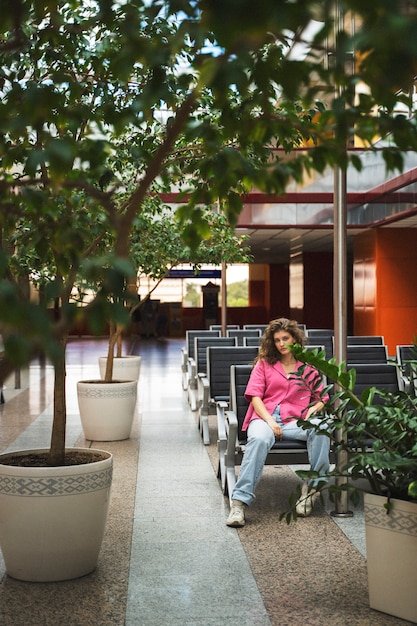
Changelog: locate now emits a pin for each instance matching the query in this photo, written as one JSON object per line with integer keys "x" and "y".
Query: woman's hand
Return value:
{"x": 314, "y": 409}
{"x": 276, "y": 429}
{"x": 260, "y": 410}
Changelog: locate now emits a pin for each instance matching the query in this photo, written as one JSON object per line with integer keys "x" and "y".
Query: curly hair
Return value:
{"x": 267, "y": 349}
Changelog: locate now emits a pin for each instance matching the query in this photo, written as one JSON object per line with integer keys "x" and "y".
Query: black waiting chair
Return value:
{"x": 228, "y": 327}
{"x": 215, "y": 387}
{"x": 252, "y": 341}
{"x": 243, "y": 333}
{"x": 366, "y": 354}
{"x": 187, "y": 352}
{"x": 261, "y": 327}
{"x": 365, "y": 340}
{"x": 407, "y": 370}
{"x": 198, "y": 365}
{"x": 232, "y": 439}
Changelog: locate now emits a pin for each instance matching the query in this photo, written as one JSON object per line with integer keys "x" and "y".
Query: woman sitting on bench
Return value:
{"x": 277, "y": 401}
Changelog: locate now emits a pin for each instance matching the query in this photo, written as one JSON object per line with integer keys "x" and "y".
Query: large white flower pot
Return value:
{"x": 52, "y": 519}
{"x": 107, "y": 409}
{"x": 124, "y": 367}
{"x": 391, "y": 550}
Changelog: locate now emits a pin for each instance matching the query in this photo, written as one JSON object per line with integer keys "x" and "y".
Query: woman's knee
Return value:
{"x": 261, "y": 438}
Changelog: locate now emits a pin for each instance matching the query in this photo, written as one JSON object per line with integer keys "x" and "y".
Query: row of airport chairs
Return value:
{"x": 232, "y": 440}
{"x": 206, "y": 383}
{"x": 391, "y": 374}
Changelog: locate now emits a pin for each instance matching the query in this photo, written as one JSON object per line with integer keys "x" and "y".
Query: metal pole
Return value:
{"x": 224, "y": 299}
{"x": 340, "y": 280}
{"x": 340, "y": 310}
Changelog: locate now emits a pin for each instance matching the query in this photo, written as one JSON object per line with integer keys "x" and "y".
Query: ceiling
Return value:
{"x": 279, "y": 245}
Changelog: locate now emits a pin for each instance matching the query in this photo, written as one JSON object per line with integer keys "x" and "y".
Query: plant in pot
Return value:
{"x": 75, "y": 77}
{"x": 56, "y": 497}
{"x": 80, "y": 75}
{"x": 374, "y": 436}
{"x": 156, "y": 246}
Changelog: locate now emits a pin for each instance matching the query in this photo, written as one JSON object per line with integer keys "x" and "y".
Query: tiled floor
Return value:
{"x": 167, "y": 557}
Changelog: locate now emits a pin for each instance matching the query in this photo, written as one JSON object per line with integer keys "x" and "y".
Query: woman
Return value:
{"x": 277, "y": 400}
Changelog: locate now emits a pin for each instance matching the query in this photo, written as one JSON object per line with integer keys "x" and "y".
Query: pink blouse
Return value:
{"x": 271, "y": 384}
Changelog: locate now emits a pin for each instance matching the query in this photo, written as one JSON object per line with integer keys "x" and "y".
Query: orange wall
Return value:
{"x": 384, "y": 285}
{"x": 258, "y": 285}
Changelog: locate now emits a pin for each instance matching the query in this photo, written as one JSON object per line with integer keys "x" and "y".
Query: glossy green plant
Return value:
{"x": 376, "y": 431}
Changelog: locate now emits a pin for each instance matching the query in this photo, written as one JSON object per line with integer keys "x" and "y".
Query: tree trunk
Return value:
{"x": 57, "y": 450}
{"x": 108, "y": 376}
{"x": 119, "y": 343}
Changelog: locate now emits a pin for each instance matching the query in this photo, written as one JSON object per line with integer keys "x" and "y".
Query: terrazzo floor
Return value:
{"x": 168, "y": 558}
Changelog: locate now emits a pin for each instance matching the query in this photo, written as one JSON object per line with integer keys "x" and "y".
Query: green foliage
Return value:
{"x": 377, "y": 431}
{"x": 192, "y": 295}
{"x": 161, "y": 242}
{"x": 237, "y": 294}
{"x": 105, "y": 105}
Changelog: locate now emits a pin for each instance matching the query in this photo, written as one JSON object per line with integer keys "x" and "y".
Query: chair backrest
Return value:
{"x": 219, "y": 326}
{"x": 261, "y": 327}
{"x": 252, "y": 341}
{"x": 240, "y": 334}
{"x": 380, "y": 375}
{"x": 407, "y": 360}
{"x": 313, "y": 346}
{"x": 319, "y": 332}
{"x": 365, "y": 340}
{"x": 219, "y": 361}
{"x": 200, "y": 349}
{"x": 326, "y": 341}
{"x": 239, "y": 377}
{"x": 192, "y": 334}
{"x": 366, "y": 354}
{"x": 405, "y": 353}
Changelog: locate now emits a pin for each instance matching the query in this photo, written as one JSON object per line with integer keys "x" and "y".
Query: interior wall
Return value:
{"x": 318, "y": 289}
{"x": 385, "y": 298}
{"x": 258, "y": 289}
{"x": 279, "y": 291}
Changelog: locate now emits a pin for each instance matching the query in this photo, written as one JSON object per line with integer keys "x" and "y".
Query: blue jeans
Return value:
{"x": 261, "y": 439}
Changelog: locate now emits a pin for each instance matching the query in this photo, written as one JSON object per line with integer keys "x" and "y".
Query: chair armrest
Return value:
{"x": 192, "y": 383}
{"x": 404, "y": 383}
{"x": 184, "y": 359}
{"x": 192, "y": 373}
{"x": 221, "y": 407}
{"x": 203, "y": 403}
{"x": 231, "y": 426}
{"x": 184, "y": 368}
{"x": 203, "y": 395}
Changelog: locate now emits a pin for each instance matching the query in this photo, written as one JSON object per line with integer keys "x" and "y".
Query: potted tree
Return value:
{"x": 80, "y": 75}
{"x": 63, "y": 492}
{"x": 209, "y": 122}
{"x": 376, "y": 433}
{"x": 156, "y": 246}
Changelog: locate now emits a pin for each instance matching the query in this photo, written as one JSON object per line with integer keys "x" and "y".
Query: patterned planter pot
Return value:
{"x": 107, "y": 409}
{"x": 52, "y": 519}
{"x": 124, "y": 367}
{"x": 391, "y": 552}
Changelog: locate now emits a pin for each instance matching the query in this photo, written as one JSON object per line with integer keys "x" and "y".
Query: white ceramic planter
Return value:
{"x": 52, "y": 519}
{"x": 107, "y": 409}
{"x": 124, "y": 367}
{"x": 391, "y": 551}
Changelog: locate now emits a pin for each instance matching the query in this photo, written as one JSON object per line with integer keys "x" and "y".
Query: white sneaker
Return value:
{"x": 237, "y": 514}
{"x": 306, "y": 502}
